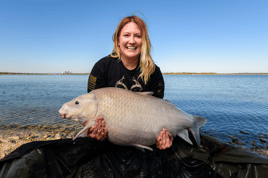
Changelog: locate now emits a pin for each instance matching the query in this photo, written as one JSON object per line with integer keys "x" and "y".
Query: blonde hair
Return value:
{"x": 147, "y": 66}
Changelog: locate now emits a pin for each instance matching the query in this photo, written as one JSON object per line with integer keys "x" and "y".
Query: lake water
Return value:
{"x": 230, "y": 103}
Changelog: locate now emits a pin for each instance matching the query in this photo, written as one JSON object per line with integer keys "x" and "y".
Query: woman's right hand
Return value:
{"x": 99, "y": 130}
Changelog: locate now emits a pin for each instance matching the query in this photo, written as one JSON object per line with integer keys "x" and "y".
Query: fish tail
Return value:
{"x": 198, "y": 122}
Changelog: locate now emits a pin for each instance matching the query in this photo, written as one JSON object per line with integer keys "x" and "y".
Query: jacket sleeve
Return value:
{"x": 157, "y": 85}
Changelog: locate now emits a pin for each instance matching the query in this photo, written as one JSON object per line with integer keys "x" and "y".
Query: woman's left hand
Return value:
{"x": 164, "y": 140}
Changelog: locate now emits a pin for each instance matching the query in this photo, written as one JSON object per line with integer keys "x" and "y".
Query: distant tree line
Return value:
{"x": 18, "y": 73}
{"x": 190, "y": 73}
{"x": 210, "y": 73}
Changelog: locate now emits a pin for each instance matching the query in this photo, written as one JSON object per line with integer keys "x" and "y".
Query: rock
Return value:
{"x": 53, "y": 133}
{"x": 246, "y": 133}
{"x": 14, "y": 138}
{"x": 262, "y": 140}
{"x": 258, "y": 147}
{"x": 240, "y": 143}
{"x": 57, "y": 136}
{"x": 33, "y": 136}
{"x": 234, "y": 139}
{"x": 30, "y": 137}
{"x": 67, "y": 132}
{"x": 253, "y": 143}
{"x": 12, "y": 141}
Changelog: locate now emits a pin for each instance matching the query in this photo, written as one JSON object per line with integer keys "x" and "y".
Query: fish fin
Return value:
{"x": 199, "y": 121}
{"x": 145, "y": 93}
{"x": 195, "y": 132}
{"x": 89, "y": 124}
{"x": 167, "y": 100}
{"x": 84, "y": 134}
{"x": 142, "y": 147}
{"x": 185, "y": 136}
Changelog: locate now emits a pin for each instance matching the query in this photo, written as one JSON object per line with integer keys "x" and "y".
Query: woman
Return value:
{"x": 129, "y": 66}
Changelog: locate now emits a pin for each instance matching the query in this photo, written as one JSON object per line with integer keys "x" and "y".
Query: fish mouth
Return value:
{"x": 66, "y": 116}
{"x": 63, "y": 115}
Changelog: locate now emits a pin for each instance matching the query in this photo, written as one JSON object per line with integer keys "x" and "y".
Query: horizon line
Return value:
{"x": 164, "y": 73}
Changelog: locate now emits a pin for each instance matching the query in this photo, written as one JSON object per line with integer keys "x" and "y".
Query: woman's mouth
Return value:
{"x": 131, "y": 48}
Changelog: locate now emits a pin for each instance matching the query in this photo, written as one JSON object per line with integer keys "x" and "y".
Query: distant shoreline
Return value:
{"x": 165, "y": 73}
{"x": 211, "y": 73}
{"x": 18, "y": 73}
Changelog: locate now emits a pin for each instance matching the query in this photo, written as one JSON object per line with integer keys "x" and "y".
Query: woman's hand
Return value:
{"x": 99, "y": 130}
{"x": 164, "y": 140}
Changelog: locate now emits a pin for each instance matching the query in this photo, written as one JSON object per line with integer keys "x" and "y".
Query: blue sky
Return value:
{"x": 223, "y": 36}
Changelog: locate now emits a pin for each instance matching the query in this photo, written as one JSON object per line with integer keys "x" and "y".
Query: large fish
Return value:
{"x": 132, "y": 118}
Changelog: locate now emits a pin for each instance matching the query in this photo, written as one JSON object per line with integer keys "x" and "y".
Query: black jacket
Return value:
{"x": 109, "y": 72}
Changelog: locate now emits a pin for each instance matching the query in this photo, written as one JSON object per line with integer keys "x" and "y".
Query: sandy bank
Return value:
{"x": 13, "y": 137}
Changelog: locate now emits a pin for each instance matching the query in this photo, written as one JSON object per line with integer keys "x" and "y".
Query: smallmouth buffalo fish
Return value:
{"x": 132, "y": 118}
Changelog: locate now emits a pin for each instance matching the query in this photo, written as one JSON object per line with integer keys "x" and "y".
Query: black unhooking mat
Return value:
{"x": 90, "y": 158}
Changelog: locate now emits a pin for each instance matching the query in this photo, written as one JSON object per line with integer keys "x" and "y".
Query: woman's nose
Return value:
{"x": 132, "y": 39}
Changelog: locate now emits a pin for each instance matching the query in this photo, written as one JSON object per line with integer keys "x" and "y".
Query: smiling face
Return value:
{"x": 130, "y": 42}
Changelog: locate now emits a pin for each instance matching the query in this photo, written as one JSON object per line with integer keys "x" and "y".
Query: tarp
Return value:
{"x": 91, "y": 158}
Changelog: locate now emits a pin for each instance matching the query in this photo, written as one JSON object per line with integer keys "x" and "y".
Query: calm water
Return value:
{"x": 230, "y": 103}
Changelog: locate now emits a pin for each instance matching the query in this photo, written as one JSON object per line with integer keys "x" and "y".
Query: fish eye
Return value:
{"x": 76, "y": 102}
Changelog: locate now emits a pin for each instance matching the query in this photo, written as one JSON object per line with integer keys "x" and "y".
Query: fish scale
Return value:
{"x": 133, "y": 118}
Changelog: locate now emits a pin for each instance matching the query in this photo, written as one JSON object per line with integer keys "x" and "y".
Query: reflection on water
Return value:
{"x": 230, "y": 103}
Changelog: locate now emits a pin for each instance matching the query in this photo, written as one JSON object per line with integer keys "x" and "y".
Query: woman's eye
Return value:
{"x": 76, "y": 102}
